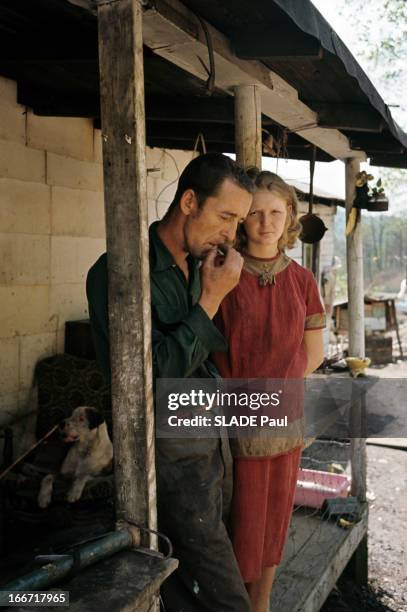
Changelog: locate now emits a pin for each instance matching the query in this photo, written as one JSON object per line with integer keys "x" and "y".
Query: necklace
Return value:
{"x": 267, "y": 276}
{"x": 266, "y": 271}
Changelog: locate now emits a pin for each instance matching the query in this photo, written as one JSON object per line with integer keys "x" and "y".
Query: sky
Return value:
{"x": 331, "y": 176}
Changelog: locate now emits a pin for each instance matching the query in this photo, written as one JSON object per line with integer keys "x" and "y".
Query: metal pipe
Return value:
{"x": 87, "y": 553}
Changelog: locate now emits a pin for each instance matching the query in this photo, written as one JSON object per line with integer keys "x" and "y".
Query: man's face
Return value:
{"x": 216, "y": 222}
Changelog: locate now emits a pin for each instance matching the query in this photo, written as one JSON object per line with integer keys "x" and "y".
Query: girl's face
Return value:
{"x": 266, "y": 220}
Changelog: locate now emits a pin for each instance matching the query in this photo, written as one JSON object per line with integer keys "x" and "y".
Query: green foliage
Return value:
{"x": 384, "y": 251}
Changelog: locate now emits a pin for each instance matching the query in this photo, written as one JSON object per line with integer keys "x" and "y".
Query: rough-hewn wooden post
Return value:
{"x": 356, "y": 324}
{"x": 354, "y": 262}
{"x": 248, "y": 139}
{"x": 123, "y": 133}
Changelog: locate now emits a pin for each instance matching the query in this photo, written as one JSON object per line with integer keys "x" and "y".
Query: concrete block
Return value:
{"x": 151, "y": 185}
{"x": 97, "y": 147}
{"x": 21, "y": 162}
{"x": 25, "y": 259}
{"x": 154, "y": 158}
{"x": 68, "y": 172}
{"x": 164, "y": 190}
{"x": 9, "y": 409}
{"x": 32, "y": 349}
{"x": 174, "y": 163}
{"x": 68, "y": 136}
{"x": 8, "y": 90}
{"x": 67, "y": 303}
{"x": 12, "y": 122}
{"x": 60, "y": 339}
{"x": 24, "y": 310}
{"x": 88, "y": 251}
{"x": 156, "y": 211}
{"x": 24, "y": 207}
{"x": 71, "y": 258}
{"x": 9, "y": 358}
{"x": 77, "y": 212}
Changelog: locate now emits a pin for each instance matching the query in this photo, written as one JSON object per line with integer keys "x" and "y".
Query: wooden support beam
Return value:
{"x": 356, "y": 322}
{"x": 123, "y": 135}
{"x": 377, "y": 144}
{"x": 342, "y": 116}
{"x": 248, "y": 126}
{"x": 253, "y": 42}
{"x": 189, "y": 131}
{"x": 211, "y": 110}
{"x": 389, "y": 161}
{"x": 228, "y": 147}
{"x": 173, "y": 31}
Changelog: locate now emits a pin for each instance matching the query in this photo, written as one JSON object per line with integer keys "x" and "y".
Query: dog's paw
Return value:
{"x": 73, "y": 496}
{"x": 44, "y": 499}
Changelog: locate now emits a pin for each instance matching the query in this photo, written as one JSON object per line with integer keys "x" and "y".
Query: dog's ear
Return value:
{"x": 94, "y": 418}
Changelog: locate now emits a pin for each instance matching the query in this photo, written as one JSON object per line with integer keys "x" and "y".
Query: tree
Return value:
{"x": 379, "y": 43}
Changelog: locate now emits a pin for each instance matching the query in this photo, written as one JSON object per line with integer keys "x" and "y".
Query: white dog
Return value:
{"x": 91, "y": 452}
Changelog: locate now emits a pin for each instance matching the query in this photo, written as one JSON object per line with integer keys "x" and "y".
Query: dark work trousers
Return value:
{"x": 194, "y": 488}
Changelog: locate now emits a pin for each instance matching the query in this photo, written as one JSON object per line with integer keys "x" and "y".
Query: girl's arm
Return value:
{"x": 314, "y": 347}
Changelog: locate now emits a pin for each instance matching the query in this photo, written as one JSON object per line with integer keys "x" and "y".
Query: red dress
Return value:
{"x": 264, "y": 326}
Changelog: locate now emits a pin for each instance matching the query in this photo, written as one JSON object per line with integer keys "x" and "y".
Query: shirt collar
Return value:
{"x": 160, "y": 257}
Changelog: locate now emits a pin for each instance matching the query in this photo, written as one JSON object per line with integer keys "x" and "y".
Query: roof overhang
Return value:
{"x": 50, "y": 48}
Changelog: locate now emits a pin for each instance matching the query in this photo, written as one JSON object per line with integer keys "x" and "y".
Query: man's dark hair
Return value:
{"x": 205, "y": 175}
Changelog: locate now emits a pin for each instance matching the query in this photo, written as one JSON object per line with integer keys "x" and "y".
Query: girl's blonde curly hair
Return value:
{"x": 276, "y": 185}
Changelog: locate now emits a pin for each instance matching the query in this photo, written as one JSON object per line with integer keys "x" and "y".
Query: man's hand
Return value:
{"x": 218, "y": 277}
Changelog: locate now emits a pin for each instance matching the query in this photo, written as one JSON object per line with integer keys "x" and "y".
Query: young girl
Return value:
{"x": 273, "y": 322}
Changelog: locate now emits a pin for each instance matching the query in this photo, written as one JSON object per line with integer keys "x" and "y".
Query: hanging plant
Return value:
{"x": 367, "y": 197}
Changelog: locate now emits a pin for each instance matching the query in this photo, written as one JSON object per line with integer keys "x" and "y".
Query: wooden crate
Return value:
{"x": 379, "y": 348}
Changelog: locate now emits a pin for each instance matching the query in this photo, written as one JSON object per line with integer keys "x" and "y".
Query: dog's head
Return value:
{"x": 82, "y": 425}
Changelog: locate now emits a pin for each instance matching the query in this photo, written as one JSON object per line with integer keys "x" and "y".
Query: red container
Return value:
{"x": 313, "y": 487}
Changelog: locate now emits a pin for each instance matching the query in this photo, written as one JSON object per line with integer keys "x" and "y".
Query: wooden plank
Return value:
{"x": 358, "y": 566}
{"x": 211, "y": 132}
{"x": 172, "y": 31}
{"x": 176, "y": 109}
{"x": 342, "y": 116}
{"x": 278, "y": 42}
{"x": 125, "y": 582}
{"x": 228, "y": 147}
{"x": 123, "y": 136}
{"x": 316, "y": 554}
{"x": 389, "y": 160}
{"x": 375, "y": 143}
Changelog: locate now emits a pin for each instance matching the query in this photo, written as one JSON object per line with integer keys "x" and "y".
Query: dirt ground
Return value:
{"x": 387, "y": 492}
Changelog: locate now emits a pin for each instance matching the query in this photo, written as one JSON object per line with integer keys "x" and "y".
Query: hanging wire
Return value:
{"x": 210, "y": 83}
{"x": 165, "y": 152}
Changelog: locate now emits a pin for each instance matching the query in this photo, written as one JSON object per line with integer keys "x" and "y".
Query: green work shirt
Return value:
{"x": 182, "y": 333}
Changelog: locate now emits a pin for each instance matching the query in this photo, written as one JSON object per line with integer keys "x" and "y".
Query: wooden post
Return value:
{"x": 124, "y": 167}
{"x": 356, "y": 322}
{"x": 354, "y": 262}
{"x": 248, "y": 126}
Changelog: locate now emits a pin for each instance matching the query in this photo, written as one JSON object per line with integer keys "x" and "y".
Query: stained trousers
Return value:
{"x": 194, "y": 489}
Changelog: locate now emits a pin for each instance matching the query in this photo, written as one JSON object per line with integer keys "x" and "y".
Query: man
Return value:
{"x": 193, "y": 475}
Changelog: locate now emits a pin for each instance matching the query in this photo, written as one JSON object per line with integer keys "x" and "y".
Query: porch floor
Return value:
{"x": 316, "y": 554}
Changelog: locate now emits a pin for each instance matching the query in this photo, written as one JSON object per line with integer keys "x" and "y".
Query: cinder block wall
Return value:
{"x": 51, "y": 231}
